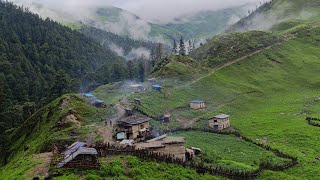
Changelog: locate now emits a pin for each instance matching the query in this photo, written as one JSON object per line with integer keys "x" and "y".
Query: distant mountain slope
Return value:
{"x": 123, "y": 45}
{"x": 207, "y": 23}
{"x": 276, "y": 11}
{"x": 199, "y": 25}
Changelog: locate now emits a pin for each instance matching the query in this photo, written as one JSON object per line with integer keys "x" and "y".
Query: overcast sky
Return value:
{"x": 152, "y": 10}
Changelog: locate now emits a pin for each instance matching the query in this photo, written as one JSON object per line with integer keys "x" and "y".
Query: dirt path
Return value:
{"x": 186, "y": 122}
{"x": 106, "y": 133}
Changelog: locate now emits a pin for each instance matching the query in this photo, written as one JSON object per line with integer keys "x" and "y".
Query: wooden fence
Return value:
{"x": 105, "y": 150}
{"x": 265, "y": 165}
{"x": 109, "y": 150}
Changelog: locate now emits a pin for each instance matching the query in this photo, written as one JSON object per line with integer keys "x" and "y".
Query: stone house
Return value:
{"x": 133, "y": 128}
{"x": 197, "y": 104}
{"x": 219, "y": 122}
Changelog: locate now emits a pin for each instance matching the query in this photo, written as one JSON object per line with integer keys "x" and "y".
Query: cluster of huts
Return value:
{"x": 135, "y": 130}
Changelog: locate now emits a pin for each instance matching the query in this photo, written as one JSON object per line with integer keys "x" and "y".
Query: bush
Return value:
{"x": 105, "y": 170}
{"x": 117, "y": 169}
{"x": 93, "y": 177}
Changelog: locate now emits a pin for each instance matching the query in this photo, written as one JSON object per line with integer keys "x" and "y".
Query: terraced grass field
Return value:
{"x": 228, "y": 151}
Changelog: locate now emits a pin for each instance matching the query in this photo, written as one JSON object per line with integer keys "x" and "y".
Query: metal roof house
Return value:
{"x": 197, "y": 104}
{"x": 79, "y": 156}
{"x": 219, "y": 122}
{"x": 156, "y": 87}
{"x": 88, "y": 95}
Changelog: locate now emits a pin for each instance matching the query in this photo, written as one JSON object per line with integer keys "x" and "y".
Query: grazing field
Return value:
{"x": 228, "y": 151}
{"x": 268, "y": 96}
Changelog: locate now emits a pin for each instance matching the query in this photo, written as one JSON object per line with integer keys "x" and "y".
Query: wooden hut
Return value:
{"x": 80, "y": 156}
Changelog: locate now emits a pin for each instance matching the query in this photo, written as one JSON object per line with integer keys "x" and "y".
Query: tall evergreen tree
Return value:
{"x": 175, "y": 47}
{"x": 182, "y": 48}
{"x": 159, "y": 52}
{"x": 141, "y": 71}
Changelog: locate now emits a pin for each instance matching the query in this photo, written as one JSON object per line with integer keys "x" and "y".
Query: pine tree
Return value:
{"x": 152, "y": 57}
{"x": 175, "y": 47}
{"x": 189, "y": 46}
{"x": 141, "y": 71}
{"x": 182, "y": 50}
{"x": 159, "y": 52}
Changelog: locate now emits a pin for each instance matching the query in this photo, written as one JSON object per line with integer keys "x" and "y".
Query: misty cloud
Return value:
{"x": 151, "y": 10}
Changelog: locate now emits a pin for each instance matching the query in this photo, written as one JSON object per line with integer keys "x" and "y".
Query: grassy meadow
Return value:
{"x": 268, "y": 96}
{"x": 228, "y": 151}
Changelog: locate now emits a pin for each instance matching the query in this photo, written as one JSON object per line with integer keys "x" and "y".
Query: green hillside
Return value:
{"x": 277, "y": 11}
{"x": 268, "y": 96}
{"x": 207, "y": 23}
{"x": 64, "y": 121}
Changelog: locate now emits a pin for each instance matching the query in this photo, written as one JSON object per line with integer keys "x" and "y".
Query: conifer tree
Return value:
{"x": 182, "y": 50}
{"x": 175, "y": 47}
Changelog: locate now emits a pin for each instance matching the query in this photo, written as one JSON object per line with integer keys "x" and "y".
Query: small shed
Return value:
{"x": 152, "y": 80}
{"x": 136, "y": 87}
{"x": 197, "y": 104}
{"x": 80, "y": 156}
{"x": 98, "y": 104}
{"x": 166, "y": 118}
{"x": 219, "y": 122}
{"x": 156, "y": 87}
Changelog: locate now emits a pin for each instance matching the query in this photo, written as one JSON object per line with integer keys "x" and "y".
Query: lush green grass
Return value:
{"x": 112, "y": 93}
{"x": 128, "y": 167}
{"x": 18, "y": 169}
{"x": 268, "y": 97}
{"x": 227, "y": 47}
{"x": 42, "y": 129}
{"x": 228, "y": 151}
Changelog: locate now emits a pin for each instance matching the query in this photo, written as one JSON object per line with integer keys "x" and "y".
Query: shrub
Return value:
{"x": 93, "y": 177}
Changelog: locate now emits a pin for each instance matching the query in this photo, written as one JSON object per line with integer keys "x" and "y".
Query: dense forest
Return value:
{"x": 125, "y": 43}
{"x": 39, "y": 61}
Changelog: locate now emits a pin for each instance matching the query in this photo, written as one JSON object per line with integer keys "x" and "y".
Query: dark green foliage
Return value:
{"x": 109, "y": 39}
{"x": 182, "y": 48}
{"x": 40, "y": 60}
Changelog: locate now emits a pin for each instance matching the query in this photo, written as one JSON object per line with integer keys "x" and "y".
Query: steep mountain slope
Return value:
{"x": 276, "y": 11}
{"x": 39, "y": 61}
{"x": 207, "y": 23}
